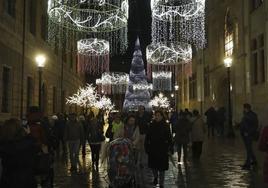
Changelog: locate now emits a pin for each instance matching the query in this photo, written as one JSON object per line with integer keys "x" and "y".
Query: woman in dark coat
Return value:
{"x": 158, "y": 143}
{"x": 182, "y": 136}
{"x": 18, "y": 152}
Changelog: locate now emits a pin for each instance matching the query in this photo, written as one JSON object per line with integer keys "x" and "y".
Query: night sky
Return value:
{"x": 139, "y": 24}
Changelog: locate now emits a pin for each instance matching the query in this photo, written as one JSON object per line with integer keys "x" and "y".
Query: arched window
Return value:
{"x": 229, "y": 35}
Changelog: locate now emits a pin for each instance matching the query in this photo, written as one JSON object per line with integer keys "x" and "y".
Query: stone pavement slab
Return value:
{"x": 219, "y": 167}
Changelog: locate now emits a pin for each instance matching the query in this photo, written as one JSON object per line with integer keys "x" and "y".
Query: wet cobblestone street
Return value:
{"x": 219, "y": 167}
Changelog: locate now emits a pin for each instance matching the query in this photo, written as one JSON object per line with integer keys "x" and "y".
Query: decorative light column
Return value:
{"x": 40, "y": 61}
{"x": 228, "y": 63}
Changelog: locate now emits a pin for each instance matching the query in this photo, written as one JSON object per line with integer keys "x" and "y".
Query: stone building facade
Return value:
{"x": 236, "y": 29}
{"x": 19, "y": 88}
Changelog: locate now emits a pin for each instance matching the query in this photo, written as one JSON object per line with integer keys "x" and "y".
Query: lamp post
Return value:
{"x": 40, "y": 61}
{"x": 228, "y": 63}
{"x": 176, "y": 96}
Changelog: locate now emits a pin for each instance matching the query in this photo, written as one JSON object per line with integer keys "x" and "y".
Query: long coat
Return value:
{"x": 158, "y": 143}
{"x": 263, "y": 146}
{"x": 182, "y": 130}
{"x": 198, "y": 129}
{"x": 18, "y": 163}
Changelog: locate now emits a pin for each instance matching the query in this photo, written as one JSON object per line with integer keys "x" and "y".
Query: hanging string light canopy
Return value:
{"x": 180, "y": 20}
{"x": 90, "y": 19}
{"x": 93, "y": 56}
{"x": 162, "y": 81}
{"x": 161, "y": 57}
{"x": 113, "y": 83}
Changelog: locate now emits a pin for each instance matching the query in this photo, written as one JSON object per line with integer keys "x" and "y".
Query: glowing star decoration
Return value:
{"x": 162, "y": 81}
{"x": 93, "y": 56}
{"x": 179, "y": 20}
{"x": 113, "y": 83}
{"x": 161, "y": 54}
{"x": 160, "y": 101}
{"x": 83, "y": 19}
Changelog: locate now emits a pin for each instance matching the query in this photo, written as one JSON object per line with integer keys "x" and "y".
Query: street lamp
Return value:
{"x": 40, "y": 61}
{"x": 228, "y": 63}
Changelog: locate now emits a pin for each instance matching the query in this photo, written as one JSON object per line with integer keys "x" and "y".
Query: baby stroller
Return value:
{"x": 121, "y": 164}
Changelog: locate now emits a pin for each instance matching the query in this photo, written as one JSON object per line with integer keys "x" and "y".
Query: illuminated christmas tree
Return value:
{"x": 138, "y": 91}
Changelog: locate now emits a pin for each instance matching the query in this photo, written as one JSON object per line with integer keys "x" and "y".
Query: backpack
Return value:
{"x": 121, "y": 163}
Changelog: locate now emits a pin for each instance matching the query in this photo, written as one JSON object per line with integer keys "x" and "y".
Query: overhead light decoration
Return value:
{"x": 93, "y": 56}
{"x": 179, "y": 20}
{"x": 161, "y": 54}
{"x": 160, "y": 101}
{"x": 84, "y": 18}
{"x": 113, "y": 83}
{"x": 162, "y": 81}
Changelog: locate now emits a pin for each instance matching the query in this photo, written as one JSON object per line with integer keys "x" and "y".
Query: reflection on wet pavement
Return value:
{"x": 219, "y": 167}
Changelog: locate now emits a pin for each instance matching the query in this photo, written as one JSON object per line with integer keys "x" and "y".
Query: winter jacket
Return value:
{"x": 158, "y": 143}
{"x": 132, "y": 133}
{"x": 198, "y": 129}
{"x": 182, "y": 130}
{"x": 74, "y": 131}
{"x": 95, "y": 132}
{"x": 143, "y": 123}
{"x": 18, "y": 160}
{"x": 249, "y": 124}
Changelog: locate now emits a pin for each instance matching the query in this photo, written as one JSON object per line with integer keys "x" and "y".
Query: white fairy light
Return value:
{"x": 160, "y": 101}
{"x": 162, "y": 81}
{"x": 87, "y": 97}
{"x": 113, "y": 78}
{"x": 179, "y": 20}
{"x": 93, "y": 46}
{"x": 88, "y": 19}
{"x": 162, "y": 74}
{"x": 137, "y": 87}
{"x": 104, "y": 103}
{"x": 161, "y": 54}
{"x": 77, "y": 19}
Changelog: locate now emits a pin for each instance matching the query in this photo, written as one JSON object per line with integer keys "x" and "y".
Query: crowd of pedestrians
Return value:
{"x": 28, "y": 147}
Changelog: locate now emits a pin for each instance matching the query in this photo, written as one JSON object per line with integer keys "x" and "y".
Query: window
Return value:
{"x": 6, "y": 87}
{"x": 206, "y": 82}
{"x": 258, "y": 67}
{"x": 256, "y": 3}
{"x": 30, "y": 90}
{"x": 54, "y": 100}
{"x": 10, "y": 7}
{"x": 32, "y": 17}
{"x": 229, "y": 36}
